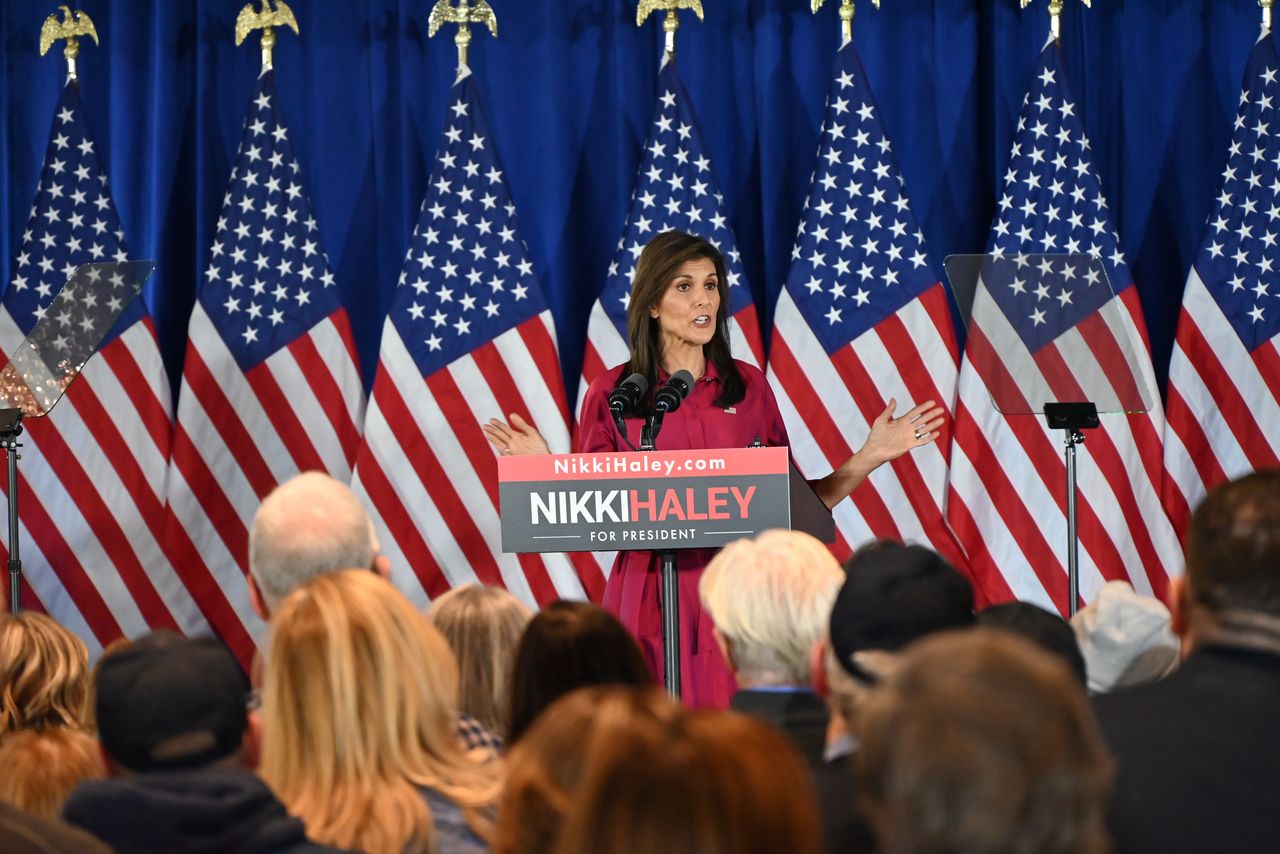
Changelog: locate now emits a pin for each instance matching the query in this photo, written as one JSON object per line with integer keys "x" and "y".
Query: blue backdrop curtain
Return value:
{"x": 569, "y": 90}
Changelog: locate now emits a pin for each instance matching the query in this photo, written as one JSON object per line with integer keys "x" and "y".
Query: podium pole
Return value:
{"x": 670, "y": 603}
{"x": 670, "y": 624}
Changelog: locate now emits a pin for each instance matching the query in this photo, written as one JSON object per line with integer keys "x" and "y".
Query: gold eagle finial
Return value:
{"x": 1055, "y": 12}
{"x": 274, "y": 13}
{"x": 846, "y": 15}
{"x": 72, "y": 26}
{"x": 671, "y": 22}
{"x": 464, "y": 15}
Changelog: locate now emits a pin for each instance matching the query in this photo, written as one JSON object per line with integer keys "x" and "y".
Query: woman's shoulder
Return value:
{"x": 605, "y": 383}
{"x": 752, "y": 377}
{"x": 749, "y": 372}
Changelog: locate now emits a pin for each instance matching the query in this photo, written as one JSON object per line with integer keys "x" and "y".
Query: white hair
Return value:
{"x": 307, "y": 526}
{"x": 770, "y": 599}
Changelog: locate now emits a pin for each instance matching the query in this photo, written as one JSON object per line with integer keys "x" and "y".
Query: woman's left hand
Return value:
{"x": 892, "y": 437}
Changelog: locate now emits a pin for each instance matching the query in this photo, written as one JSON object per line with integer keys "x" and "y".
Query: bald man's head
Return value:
{"x": 308, "y": 526}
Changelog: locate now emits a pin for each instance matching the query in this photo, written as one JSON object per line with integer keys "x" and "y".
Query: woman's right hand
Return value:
{"x": 514, "y": 438}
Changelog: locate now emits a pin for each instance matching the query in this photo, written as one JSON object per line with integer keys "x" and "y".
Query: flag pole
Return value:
{"x": 1055, "y": 13}
{"x": 846, "y": 17}
{"x": 466, "y": 13}
{"x": 274, "y": 13}
{"x": 70, "y": 27}
{"x": 1266, "y": 15}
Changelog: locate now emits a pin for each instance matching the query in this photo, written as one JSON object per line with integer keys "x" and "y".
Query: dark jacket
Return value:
{"x": 191, "y": 811}
{"x": 803, "y": 716}
{"x": 1196, "y": 756}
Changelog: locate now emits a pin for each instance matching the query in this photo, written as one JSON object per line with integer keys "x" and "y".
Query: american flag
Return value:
{"x": 675, "y": 189}
{"x": 91, "y": 486}
{"x": 1007, "y": 501}
{"x": 270, "y": 385}
{"x": 1224, "y": 377}
{"x": 469, "y": 337}
{"x": 863, "y": 318}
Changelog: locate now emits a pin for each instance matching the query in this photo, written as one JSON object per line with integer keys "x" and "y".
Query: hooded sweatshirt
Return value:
{"x": 205, "y": 810}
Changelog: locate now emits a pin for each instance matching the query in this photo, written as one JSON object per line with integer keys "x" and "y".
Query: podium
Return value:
{"x": 661, "y": 501}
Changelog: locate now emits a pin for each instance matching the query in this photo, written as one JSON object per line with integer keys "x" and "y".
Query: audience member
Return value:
{"x": 569, "y": 645}
{"x": 483, "y": 625}
{"x": 44, "y": 674}
{"x": 981, "y": 742}
{"x": 893, "y": 595}
{"x": 91, "y": 695}
{"x": 1045, "y": 629}
{"x": 358, "y": 708}
{"x": 41, "y": 767}
{"x": 770, "y": 599}
{"x": 1196, "y": 752}
{"x": 545, "y": 769}
{"x": 20, "y": 831}
{"x": 1125, "y": 638}
{"x": 179, "y": 750}
{"x": 704, "y": 782}
{"x": 307, "y": 526}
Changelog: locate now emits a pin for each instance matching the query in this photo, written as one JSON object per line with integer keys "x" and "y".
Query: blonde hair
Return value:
{"x": 44, "y": 674}
{"x": 42, "y": 767}
{"x": 483, "y": 625}
{"x": 770, "y": 599}
{"x": 359, "y": 712}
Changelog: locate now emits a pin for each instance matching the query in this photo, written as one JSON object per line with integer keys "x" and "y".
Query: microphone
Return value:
{"x": 628, "y": 393}
{"x": 675, "y": 390}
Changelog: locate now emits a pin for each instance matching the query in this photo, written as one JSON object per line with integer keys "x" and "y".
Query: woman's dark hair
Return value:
{"x": 570, "y": 645}
{"x": 655, "y": 269}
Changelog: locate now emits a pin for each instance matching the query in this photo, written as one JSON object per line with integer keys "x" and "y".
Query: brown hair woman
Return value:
{"x": 677, "y": 320}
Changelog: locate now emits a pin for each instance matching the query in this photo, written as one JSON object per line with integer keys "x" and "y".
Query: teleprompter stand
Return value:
{"x": 68, "y": 332}
{"x": 1047, "y": 336}
{"x": 10, "y": 430}
{"x": 1072, "y": 418}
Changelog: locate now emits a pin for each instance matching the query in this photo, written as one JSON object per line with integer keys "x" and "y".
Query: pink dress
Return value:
{"x": 635, "y": 583}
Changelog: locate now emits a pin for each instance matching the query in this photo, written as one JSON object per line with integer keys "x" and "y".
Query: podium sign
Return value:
{"x": 655, "y": 500}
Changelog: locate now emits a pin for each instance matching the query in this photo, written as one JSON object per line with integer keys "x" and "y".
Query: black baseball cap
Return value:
{"x": 166, "y": 702}
{"x": 895, "y": 594}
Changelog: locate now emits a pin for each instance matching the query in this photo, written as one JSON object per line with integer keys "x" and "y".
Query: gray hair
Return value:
{"x": 770, "y": 598}
{"x": 308, "y": 526}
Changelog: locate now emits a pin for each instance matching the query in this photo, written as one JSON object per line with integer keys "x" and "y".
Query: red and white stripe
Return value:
{"x": 1007, "y": 501}
{"x": 1223, "y": 412}
{"x": 239, "y": 434}
{"x": 91, "y": 495}
{"x": 828, "y": 403}
{"x": 430, "y": 477}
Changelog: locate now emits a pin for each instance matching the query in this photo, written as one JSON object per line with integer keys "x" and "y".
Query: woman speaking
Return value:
{"x": 676, "y": 320}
